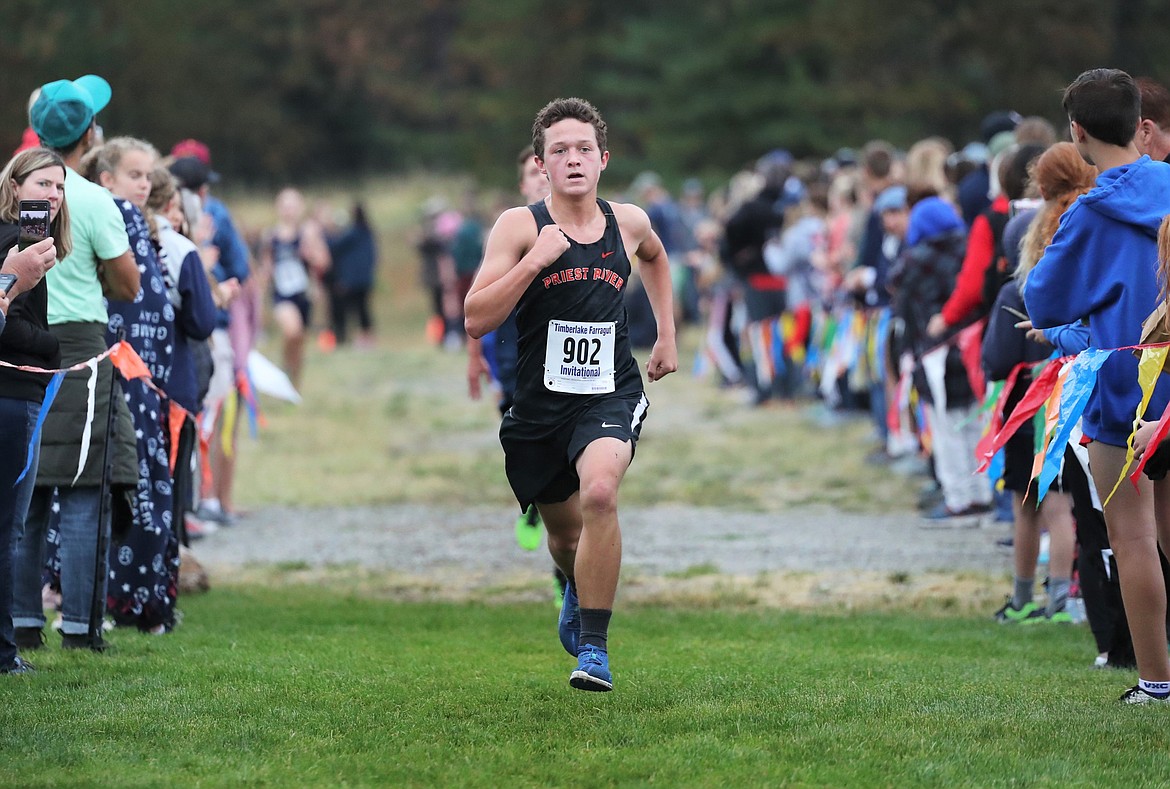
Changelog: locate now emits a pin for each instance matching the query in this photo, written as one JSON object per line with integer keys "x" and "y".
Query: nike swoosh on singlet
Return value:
{"x": 604, "y": 255}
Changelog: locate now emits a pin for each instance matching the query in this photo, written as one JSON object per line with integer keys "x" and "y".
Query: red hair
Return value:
{"x": 1062, "y": 176}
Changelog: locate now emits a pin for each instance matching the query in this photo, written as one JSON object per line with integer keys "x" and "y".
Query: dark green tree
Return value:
{"x": 302, "y": 89}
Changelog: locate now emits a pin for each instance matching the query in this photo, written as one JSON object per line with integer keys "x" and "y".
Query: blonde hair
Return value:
{"x": 843, "y": 190}
{"x": 744, "y": 186}
{"x": 1164, "y": 267}
{"x": 106, "y": 157}
{"x": 1061, "y": 176}
{"x": 926, "y": 164}
{"x": 163, "y": 186}
{"x": 1164, "y": 256}
{"x": 18, "y": 169}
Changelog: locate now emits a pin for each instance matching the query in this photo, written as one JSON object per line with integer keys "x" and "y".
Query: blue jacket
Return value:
{"x": 194, "y": 321}
{"x": 973, "y": 198}
{"x": 233, "y": 253}
{"x": 354, "y": 255}
{"x": 1102, "y": 265}
{"x": 873, "y": 255}
{"x": 1005, "y": 346}
{"x": 1069, "y": 339}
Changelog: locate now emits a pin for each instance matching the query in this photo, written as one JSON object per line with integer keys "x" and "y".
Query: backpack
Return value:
{"x": 996, "y": 274}
{"x": 204, "y": 366}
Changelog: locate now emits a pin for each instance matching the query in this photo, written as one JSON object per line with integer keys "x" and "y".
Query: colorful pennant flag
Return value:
{"x": 1074, "y": 397}
{"x": 1149, "y": 368}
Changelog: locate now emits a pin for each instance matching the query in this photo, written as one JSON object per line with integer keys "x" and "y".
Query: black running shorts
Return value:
{"x": 1019, "y": 457}
{"x": 1159, "y": 462}
{"x": 1018, "y": 454}
{"x": 540, "y": 460}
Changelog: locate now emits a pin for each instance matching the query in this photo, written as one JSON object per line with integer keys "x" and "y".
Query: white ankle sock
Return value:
{"x": 1159, "y": 689}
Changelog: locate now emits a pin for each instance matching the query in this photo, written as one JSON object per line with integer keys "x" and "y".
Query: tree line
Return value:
{"x": 326, "y": 89}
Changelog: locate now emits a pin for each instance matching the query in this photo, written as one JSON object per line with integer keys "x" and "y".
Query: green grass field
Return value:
{"x": 303, "y": 686}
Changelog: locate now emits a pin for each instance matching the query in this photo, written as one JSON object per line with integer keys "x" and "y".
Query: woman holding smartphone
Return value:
{"x": 34, "y": 174}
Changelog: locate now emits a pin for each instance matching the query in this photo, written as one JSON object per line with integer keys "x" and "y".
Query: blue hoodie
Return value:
{"x": 1102, "y": 265}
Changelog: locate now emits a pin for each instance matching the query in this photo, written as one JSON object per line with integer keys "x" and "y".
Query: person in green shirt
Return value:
{"x": 63, "y": 116}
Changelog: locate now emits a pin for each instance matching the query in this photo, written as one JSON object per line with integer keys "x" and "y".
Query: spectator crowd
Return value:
{"x": 144, "y": 271}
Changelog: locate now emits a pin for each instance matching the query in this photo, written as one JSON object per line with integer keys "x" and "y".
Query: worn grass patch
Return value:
{"x": 701, "y": 585}
{"x": 394, "y": 425}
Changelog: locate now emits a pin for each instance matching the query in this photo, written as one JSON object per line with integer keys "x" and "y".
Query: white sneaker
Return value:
{"x": 209, "y": 510}
{"x": 59, "y": 623}
{"x": 1136, "y": 695}
{"x": 197, "y": 528}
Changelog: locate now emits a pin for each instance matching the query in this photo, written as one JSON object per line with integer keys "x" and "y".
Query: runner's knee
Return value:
{"x": 560, "y": 542}
{"x": 599, "y": 495}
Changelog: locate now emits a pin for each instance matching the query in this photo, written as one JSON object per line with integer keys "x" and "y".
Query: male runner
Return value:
{"x": 569, "y": 436}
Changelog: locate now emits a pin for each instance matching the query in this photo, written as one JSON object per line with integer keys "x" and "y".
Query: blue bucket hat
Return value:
{"x": 65, "y": 109}
{"x": 931, "y": 218}
{"x": 892, "y": 198}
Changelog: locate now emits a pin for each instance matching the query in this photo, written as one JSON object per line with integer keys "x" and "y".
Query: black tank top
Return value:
{"x": 290, "y": 272}
{"x": 586, "y": 283}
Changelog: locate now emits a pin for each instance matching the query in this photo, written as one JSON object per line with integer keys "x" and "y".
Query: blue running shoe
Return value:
{"x": 592, "y": 670}
{"x": 569, "y": 625}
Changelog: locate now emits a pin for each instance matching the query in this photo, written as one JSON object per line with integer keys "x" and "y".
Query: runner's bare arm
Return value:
{"x": 513, "y": 256}
{"x": 654, "y": 268}
{"x": 477, "y": 367}
{"x": 314, "y": 249}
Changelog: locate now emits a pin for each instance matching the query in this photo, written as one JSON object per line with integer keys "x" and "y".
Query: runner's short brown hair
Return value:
{"x": 559, "y": 110}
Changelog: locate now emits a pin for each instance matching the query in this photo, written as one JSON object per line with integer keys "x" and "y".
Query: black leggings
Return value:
{"x": 346, "y": 302}
{"x": 1097, "y": 570}
{"x": 184, "y": 486}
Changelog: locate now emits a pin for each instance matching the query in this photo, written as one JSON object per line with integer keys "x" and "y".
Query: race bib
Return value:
{"x": 289, "y": 277}
{"x": 579, "y": 357}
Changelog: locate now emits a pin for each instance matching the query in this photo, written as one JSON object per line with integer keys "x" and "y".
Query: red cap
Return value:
{"x": 194, "y": 148}
{"x": 28, "y": 140}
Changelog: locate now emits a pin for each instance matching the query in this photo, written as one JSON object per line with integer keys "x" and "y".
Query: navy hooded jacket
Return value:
{"x": 1102, "y": 265}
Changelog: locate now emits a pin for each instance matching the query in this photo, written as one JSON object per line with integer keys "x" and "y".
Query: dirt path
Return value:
{"x": 806, "y": 554}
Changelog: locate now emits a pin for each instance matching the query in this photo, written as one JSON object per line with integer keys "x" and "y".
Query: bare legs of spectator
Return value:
{"x": 223, "y": 468}
{"x": 1055, "y": 515}
{"x": 1137, "y": 520}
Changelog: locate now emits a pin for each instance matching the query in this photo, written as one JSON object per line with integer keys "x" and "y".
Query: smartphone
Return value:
{"x": 6, "y": 282}
{"x": 34, "y": 222}
{"x": 1022, "y": 316}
